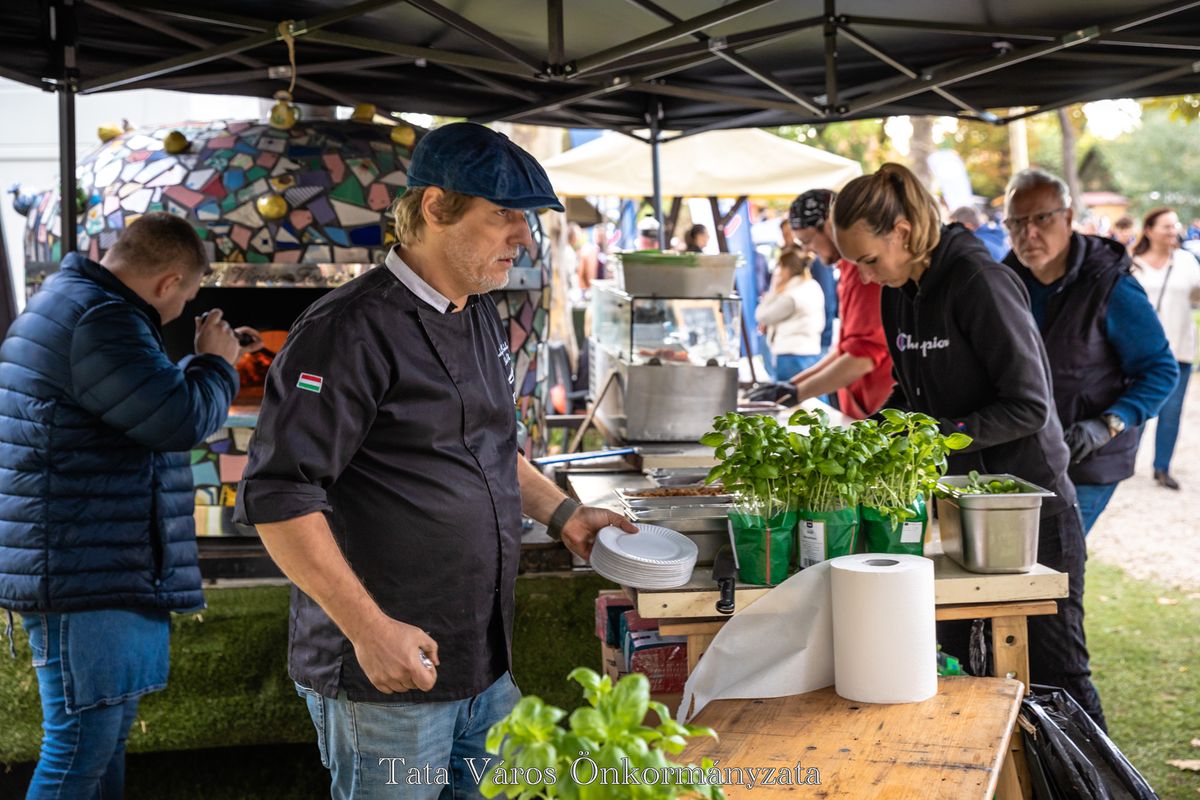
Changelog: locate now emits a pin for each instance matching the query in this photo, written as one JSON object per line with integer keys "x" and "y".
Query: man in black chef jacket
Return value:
{"x": 385, "y": 480}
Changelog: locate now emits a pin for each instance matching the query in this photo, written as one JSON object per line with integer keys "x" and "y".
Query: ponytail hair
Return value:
{"x": 891, "y": 194}
{"x": 797, "y": 263}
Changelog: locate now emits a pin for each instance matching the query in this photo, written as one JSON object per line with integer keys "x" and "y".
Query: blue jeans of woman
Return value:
{"x": 788, "y": 365}
{"x": 415, "y": 751}
{"x": 1169, "y": 417}
{"x": 92, "y": 668}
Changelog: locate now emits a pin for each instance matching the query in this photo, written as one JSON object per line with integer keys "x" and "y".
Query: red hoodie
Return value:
{"x": 862, "y": 336}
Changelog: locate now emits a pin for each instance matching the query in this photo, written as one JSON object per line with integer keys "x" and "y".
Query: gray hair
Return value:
{"x": 1033, "y": 178}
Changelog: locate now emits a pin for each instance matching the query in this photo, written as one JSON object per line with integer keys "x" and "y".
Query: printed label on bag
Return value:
{"x": 812, "y": 542}
{"x": 911, "y": 532}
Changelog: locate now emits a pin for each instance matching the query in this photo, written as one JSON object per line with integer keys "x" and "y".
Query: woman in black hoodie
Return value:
{"x": 967, "y": 352}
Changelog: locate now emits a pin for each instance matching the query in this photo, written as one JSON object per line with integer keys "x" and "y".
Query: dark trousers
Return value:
{"x": 1058, "y": 653}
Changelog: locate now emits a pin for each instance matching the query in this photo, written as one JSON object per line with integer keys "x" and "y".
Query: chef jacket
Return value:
{"x": 396, "y": 419}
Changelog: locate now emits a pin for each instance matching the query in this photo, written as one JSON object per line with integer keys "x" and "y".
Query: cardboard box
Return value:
{"x": 610, "y": 604}
{"x": 612, "y": 662}
{"x": 632, "y": 622}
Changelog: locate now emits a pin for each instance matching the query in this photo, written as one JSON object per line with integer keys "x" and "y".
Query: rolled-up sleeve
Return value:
{"x": 305, "y": 437}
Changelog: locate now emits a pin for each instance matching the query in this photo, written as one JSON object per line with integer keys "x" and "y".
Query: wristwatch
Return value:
{"x": 1115, "y": 424}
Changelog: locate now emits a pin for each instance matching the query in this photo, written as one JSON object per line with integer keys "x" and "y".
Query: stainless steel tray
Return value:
{"x": 671, "y": 513}
{"x": 631, "y": 499}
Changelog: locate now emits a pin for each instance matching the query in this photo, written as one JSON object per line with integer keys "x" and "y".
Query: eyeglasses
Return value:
{"x": 1040, "y": 221}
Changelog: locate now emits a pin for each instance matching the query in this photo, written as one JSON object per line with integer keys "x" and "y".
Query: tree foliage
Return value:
{"x": 1158, "y": 164}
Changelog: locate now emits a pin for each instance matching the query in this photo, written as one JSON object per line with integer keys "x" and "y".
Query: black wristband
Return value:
{"x": 559, "y": 518}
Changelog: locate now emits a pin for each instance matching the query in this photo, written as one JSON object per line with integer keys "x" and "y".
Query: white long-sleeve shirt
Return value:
{"x": 794, "y": 317}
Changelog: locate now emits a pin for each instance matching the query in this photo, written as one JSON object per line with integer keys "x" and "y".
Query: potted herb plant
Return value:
{"x": 827, "y": 472}
{"x": 593, "y": 756}
{"x": 754, "y": 455}
{"x": 907, "y": 456}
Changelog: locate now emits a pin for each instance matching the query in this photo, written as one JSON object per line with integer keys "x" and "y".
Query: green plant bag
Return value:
{"x": 885, "y": 536}
{"x": 823, "y": 535}
{"x": 764, "y": 546}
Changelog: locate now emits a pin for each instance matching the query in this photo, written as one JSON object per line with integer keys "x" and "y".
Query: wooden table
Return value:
{"x": 1008, "y": 600}
{"x": 950, "y": 746}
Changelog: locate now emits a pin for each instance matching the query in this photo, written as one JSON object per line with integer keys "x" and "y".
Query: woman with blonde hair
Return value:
{"x": 793, "y": 314}
{"x": 1171, "y": 277}
{"x": 967, "y": 352}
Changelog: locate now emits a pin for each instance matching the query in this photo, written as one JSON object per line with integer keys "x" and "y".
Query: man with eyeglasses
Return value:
{"x": 1109, "y": 358}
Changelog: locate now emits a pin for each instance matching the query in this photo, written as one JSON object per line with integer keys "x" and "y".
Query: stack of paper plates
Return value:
{"x": 652, "y": 558}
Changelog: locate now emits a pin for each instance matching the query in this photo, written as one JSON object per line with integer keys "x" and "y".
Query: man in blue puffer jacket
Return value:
{"x": 97, "y": 539}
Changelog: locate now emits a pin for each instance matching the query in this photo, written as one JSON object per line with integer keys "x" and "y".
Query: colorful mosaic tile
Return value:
{"x": 338, "y": 179}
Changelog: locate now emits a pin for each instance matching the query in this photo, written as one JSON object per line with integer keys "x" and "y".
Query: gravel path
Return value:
{"x": 1151, "y": 532}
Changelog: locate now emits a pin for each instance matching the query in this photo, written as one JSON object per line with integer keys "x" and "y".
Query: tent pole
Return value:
{"x": 655, "y": 138}
{"x": 63, "y": 29}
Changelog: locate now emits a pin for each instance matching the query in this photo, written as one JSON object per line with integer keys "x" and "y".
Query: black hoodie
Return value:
{"x": 967, "y": 351}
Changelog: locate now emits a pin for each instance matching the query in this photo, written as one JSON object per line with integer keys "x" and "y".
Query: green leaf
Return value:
{"x": 957, "y": 441}
{"x": 712, "y": 439}
{"x": 589, "y": 723}
{"x": 631, "y": 699}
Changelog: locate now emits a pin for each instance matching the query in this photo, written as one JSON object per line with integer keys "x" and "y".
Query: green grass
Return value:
{"x": 1145, "y": 660}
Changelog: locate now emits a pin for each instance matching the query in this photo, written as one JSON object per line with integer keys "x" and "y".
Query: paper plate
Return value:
{"x": 652, "y": 544}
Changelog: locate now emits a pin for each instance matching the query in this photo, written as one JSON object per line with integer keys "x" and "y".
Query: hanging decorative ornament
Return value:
{"x": 109, "y": 131}
{"x": 271, "y": 207}
{"x": 175, "y": 143}
{"x": 283, "y": 114}
{"x": 404, "y": 135}
{"x": 363, "y": 112}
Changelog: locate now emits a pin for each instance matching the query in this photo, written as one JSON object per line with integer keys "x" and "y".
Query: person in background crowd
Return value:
{"x": 793, "y": 313}
{"x": 695, "y": 239}
{"x": 1171, "y": 278}
{"x": 824, "y": 273}
{"x": 587, "y": 255}
{"x": 1124, "y": 232}
{"x": 991, "y": 235}
{"x": 1111, "y": 365}
{"x": 1193, "y": 231}
{"x": 859, "y": 368}
{"x": 385, "y": 481}
{"x": 648, "y": 228}
{"x": 968, "y": 353}
{"x": 98, "y": 542}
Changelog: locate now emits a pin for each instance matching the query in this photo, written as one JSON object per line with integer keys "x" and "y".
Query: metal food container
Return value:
{"x": 676, "y": 275}
{"x": 991, "y": 532}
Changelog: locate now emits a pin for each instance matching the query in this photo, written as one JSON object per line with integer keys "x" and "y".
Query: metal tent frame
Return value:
{"x": 725, "y": 64}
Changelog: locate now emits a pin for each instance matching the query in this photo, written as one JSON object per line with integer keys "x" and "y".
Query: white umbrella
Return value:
{"x": 725, "y": 163}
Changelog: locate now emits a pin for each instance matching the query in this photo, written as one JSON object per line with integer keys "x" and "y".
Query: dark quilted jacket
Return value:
{"x": 96, "y": 496}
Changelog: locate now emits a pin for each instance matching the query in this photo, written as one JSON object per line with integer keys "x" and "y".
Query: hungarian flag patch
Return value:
{"x": 310, "y": 382}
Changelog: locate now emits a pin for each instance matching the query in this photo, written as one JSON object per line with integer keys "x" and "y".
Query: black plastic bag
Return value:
{"x": 1069, "y": 757}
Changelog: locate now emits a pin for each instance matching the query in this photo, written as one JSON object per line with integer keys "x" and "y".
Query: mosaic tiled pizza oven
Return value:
{"x": 300, "y": 210}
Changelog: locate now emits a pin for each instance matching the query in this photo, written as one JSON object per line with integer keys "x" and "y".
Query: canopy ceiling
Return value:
{"x": 747, "y": 161}
{"x": 694, "y": 64}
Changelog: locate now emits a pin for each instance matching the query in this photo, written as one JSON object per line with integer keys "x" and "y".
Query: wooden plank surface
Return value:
{"x": 949, "y": 747}
{"x": 952, "y": 585}
{"x": 1033, "y": 608}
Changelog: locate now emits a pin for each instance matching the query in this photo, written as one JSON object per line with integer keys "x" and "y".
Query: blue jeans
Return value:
{"x": 1093, "y": 498}
{"x": 375, "y": 749}
{"x": 1169, "y": 416}
{"x": 92, "y": 668}
{"x": 788, "y": 365}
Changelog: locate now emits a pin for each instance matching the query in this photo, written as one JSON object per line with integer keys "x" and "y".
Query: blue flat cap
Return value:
{"x": 470, "y": 159}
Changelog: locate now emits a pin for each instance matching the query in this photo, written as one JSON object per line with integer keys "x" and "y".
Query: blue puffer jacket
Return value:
{"x": 96, "y": 497}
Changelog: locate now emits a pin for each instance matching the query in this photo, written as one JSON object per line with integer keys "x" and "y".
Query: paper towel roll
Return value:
{"x": 884, "y": 633}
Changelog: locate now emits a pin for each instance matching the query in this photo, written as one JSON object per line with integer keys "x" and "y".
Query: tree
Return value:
{"x": 1070, "y": 160}
{"x": 1158, "y": 164}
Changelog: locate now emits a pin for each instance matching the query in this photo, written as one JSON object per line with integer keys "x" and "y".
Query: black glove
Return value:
{"x": 1086, "y": 437}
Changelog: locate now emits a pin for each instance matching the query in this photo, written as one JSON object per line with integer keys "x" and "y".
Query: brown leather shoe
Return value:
{"x": 1165, "y": 480}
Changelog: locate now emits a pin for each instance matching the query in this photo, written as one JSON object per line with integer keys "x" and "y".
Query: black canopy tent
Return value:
{"x": 681, "y": 65}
